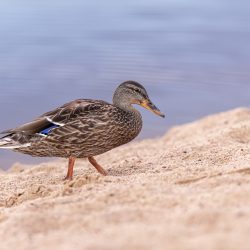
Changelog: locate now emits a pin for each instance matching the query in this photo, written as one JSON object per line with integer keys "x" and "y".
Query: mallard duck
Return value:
{"x": 83, "y": 128}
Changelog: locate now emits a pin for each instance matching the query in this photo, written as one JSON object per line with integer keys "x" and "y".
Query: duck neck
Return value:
{"x": 123, "y": 103}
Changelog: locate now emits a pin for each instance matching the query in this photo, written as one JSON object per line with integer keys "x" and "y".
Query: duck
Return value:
{"x": 83, "y": 128}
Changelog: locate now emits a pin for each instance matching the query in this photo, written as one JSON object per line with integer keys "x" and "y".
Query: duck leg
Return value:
{"x": 97, "y": 166}
{"x": 71, "y": 163}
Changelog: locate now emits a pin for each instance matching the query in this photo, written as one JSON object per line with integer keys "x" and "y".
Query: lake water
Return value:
{"x": 192, "y": 56}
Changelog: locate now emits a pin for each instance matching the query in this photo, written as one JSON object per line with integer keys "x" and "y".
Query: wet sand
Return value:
{"x": 186, "y": 190}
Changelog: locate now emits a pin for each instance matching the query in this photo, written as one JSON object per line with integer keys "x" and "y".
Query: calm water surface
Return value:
{"x": 192, "y": 56}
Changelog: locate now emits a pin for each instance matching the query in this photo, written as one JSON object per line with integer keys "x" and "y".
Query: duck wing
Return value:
{"x": 56, "y": 118}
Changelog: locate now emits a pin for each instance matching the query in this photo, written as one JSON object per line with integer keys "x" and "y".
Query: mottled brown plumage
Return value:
{"x": 83, "y": 128}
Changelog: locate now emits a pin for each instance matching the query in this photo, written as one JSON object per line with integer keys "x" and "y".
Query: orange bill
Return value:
{"x": 150, "y": 106}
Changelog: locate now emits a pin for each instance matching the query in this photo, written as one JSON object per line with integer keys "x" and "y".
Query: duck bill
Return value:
{"x": 150, "y": 106}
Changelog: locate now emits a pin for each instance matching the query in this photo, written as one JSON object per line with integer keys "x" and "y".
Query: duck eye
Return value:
{"x": 137, "y": 90}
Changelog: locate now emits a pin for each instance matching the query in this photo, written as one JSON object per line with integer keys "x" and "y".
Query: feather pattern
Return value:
{"x": 80, "y": 128}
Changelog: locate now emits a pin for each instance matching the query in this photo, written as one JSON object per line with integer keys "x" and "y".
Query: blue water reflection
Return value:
{"x": 192, "y": 56}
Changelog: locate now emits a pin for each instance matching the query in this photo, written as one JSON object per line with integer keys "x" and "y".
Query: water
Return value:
{"x": 192, "y": 56}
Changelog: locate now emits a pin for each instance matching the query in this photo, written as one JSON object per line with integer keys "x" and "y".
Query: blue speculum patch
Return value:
{"x": 47, "y": 130}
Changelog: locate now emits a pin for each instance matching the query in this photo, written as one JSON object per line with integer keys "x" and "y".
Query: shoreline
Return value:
{"x": 187, "y": 189}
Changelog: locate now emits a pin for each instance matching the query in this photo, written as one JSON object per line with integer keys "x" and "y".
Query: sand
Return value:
{"x": 189, "y": 189}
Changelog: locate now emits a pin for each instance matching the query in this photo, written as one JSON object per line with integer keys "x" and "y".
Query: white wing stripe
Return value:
{"x": 56, "y": 123}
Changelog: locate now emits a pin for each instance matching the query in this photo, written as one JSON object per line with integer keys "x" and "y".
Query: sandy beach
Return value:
{"x": 186, "y": 190}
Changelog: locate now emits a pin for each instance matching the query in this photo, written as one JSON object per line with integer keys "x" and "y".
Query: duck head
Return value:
{"x": 131, "y": 92}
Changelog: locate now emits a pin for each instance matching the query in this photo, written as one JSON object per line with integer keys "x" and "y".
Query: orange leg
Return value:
{"x": 71, "y": 163}
{"x": 97, "y": 166}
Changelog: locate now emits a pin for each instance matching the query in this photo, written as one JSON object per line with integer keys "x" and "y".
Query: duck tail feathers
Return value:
{"x": 8, "y": 143}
